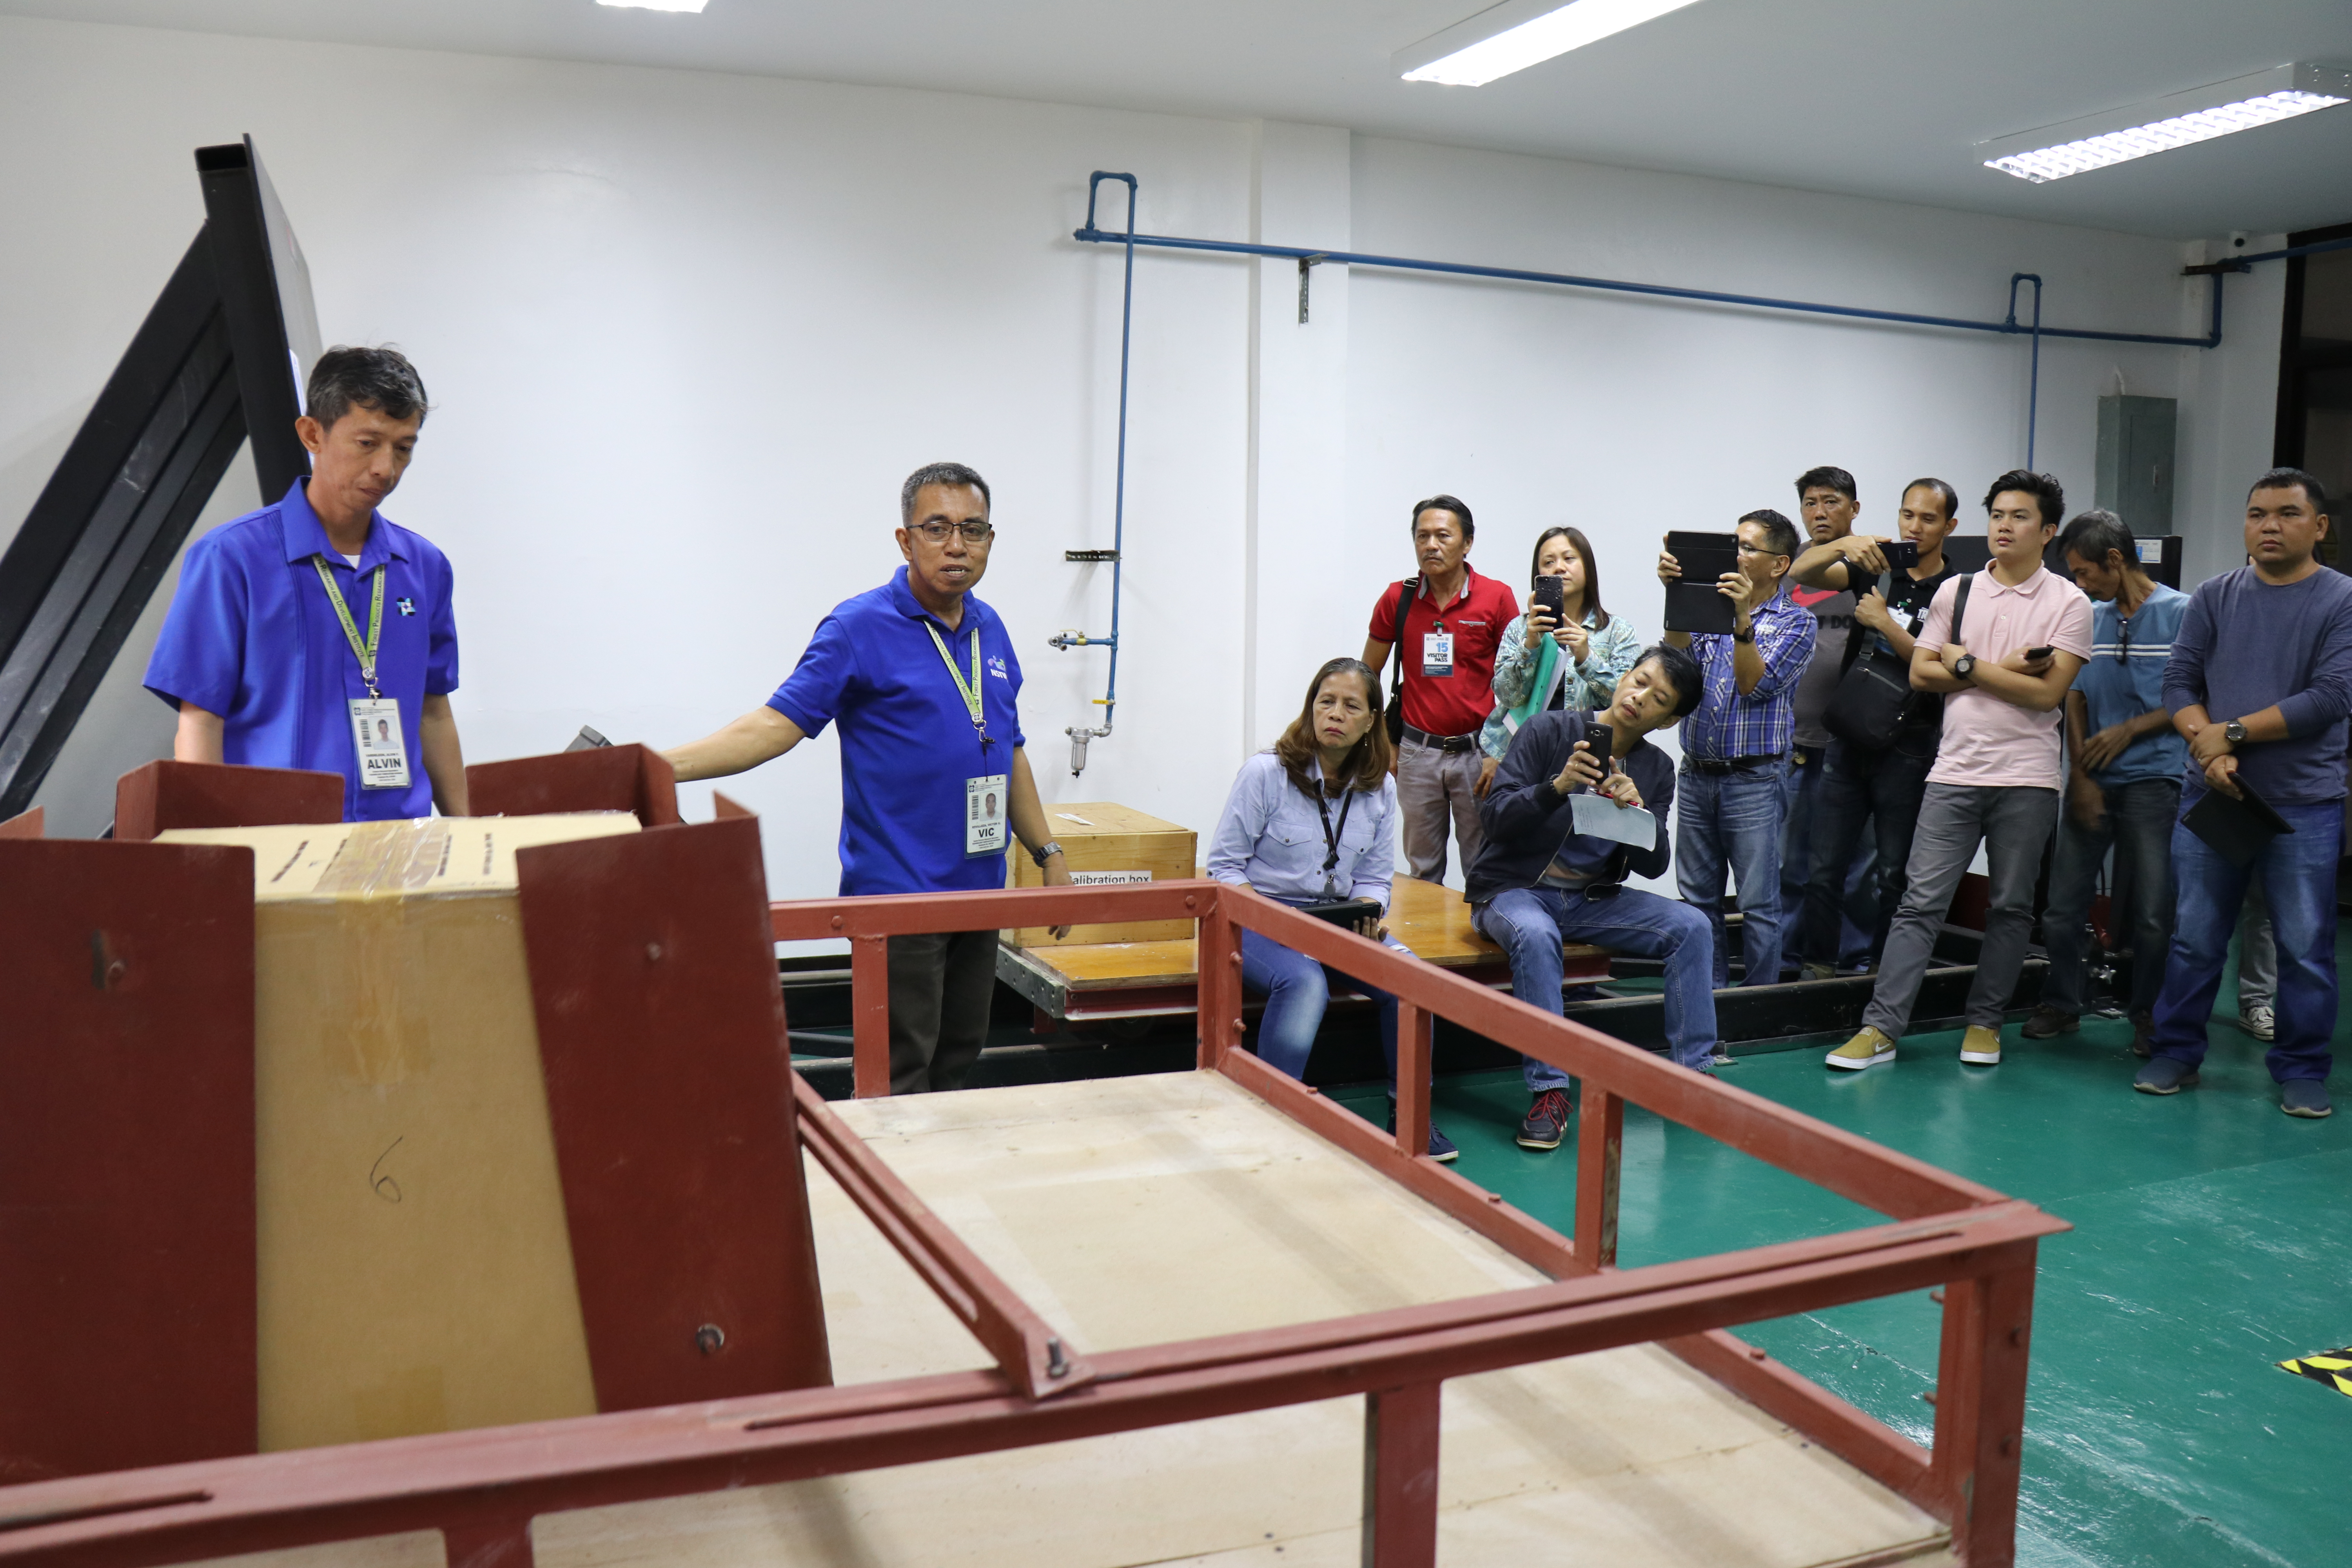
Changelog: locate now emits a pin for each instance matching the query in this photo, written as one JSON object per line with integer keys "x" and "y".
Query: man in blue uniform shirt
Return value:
{"x": 923, "y": 679}
{"x": 317, "y": 634}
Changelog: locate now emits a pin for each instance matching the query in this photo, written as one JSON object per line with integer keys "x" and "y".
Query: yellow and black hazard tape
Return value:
{"x": 2333, "y": 1368}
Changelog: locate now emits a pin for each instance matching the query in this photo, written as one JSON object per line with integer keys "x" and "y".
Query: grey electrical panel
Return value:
{"x": 2135, "y": 466}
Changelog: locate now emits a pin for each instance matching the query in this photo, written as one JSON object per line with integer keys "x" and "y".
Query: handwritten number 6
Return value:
{"x": 385, "y": 1186}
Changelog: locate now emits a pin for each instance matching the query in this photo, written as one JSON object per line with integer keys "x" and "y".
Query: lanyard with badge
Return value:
{"x": 1437, "y": 649}
{"x": 376, "y": 718}
{"x": 1331, "y": 834}
{"x": 985, "y": 797}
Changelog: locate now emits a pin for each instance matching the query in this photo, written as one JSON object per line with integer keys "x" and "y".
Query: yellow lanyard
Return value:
{"x": 365, "y": 652}
{"x": 970, "y": 692}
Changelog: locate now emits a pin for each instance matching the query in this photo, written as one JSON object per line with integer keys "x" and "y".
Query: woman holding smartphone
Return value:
{"x": 1564, "y": 652}
{"x": 1313, "y": 820}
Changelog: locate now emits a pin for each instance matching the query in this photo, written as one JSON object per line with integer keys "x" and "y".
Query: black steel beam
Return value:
{"x": 231, "y": 334}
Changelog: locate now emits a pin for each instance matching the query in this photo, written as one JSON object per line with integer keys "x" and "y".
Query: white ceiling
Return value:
{"x": 1877, "y": 97}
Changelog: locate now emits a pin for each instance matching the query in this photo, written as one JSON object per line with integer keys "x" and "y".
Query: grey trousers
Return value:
{"x": 941, "y": 987}
{"x": 2257, "y": 952}
{"x": 1434, "y": 788}
{"x": 2013, "y": 823}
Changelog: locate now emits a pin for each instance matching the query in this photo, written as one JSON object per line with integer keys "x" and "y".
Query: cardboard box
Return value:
{"x": 414, "y": 1265}
{"x": 1108, "y": 843}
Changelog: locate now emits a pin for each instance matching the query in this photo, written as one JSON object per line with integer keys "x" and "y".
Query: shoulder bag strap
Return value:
{"x": 1406, "y": 591}
{"x": 1959, "y": 607}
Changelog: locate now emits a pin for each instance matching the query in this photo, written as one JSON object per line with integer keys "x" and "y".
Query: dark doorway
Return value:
{"x": 2314, "y": 405}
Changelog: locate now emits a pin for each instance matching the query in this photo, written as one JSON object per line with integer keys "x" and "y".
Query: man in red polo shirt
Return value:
{"x": 1453, "y": 620}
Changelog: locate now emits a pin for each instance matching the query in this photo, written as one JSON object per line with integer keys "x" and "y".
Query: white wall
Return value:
{"x": 685, "y": 333}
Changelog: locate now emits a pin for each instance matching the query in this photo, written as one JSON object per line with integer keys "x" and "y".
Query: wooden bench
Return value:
{"x": 1155, "y": 979}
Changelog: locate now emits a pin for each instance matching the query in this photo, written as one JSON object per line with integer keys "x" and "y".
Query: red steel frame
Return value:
{"x": 482, "y": 1487}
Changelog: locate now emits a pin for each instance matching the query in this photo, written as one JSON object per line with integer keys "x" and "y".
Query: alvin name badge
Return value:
{"x": 383, "y": 751}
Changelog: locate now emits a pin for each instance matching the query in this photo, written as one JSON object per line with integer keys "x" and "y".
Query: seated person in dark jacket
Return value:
{"x": 1537, "y": 883}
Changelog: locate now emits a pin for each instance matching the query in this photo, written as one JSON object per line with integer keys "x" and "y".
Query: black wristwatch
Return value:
{"x": 1747, "y": 635}
{"x": 1964, "y": 667}
{"x": 2234, "y": 732}
{"x": 1044, "y": 852}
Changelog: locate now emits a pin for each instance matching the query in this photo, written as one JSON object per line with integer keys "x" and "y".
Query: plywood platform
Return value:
{"x": 1156, "y": 979}
{"x": 1137, "y": 1210}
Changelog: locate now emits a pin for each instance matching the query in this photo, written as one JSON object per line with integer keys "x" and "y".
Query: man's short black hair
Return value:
{"x": 2048, "y": 495}
{"x": 1951, "y": 497}
{"x": 381, "y": 378}
{"x": 1681, "y": 669}
{"x": 1781, "y": 536}
{"x": 1445, "y": 504}
{"x": 1827, "y": 479}
{"x": 955, "y": 473}
{"x": 2291, "y": 479}
{"x": 2092, "y": 534}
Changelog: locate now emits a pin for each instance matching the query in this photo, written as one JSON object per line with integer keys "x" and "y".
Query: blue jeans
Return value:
{"x": 1858, "y": 893}
{"x": 1730, "y": 822}
{"x": 2140, "y": 824}
{"x": 1530, "y": 923}
{"x": 1297, "y": 990}
{"x": 2299, "y": 884}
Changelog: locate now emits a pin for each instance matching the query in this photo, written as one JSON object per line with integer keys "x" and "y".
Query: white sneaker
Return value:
{"x": 2259, "y": 1021}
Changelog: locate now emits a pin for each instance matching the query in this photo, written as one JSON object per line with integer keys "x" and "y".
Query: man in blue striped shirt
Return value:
{"x": 2124, "y": 764}
{"x": 1735, "y": 773}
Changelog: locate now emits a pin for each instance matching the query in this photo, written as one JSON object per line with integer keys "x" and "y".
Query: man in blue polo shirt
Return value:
{"x": 923, "y": 679}
{"x": 2123, "y": 785}
{"x": 317, "y": 634}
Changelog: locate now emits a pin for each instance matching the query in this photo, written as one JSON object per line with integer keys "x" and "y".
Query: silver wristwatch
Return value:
{"x": 1044, "y": 852}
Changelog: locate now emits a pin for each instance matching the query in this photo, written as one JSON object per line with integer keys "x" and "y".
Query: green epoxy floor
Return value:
{"x": 2213, "y": 1238}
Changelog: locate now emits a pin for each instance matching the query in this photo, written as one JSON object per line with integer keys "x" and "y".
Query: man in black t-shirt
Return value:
{"x": 1827, "y": 505}
{"x": 1883, "y": 785}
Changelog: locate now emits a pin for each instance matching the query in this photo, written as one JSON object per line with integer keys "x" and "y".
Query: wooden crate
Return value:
{"x": 1108, "y": 843}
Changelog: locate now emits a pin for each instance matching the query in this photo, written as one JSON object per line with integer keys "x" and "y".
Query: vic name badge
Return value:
{"x": 984, "y": 814}
{"x": 1437, "y": 653}
{"x": 384, "y": 754}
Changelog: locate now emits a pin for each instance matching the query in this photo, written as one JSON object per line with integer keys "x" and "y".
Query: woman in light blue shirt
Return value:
{"x": 1541, "y": 665}
{"x": 1313, "y": 820}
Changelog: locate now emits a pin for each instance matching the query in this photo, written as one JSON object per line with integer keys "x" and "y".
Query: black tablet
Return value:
{"x": 1695, "y": 604}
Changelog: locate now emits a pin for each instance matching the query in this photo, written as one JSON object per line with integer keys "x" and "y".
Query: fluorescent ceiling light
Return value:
{"x": 694, "y": 5}
{"x": 2242, "y": 103}
{"x": 1518, "y": 33}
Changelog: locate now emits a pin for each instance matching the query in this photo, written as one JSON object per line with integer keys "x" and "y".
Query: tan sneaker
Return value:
{"x": 1982, "y": 1046}
{"x": 1866, "y": 1049}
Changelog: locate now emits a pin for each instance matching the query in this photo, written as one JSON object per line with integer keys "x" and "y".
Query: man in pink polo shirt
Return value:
{"x": 2003, "y": 644}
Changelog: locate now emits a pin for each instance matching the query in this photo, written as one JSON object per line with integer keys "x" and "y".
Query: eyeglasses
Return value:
{"x": 1748, "y": 549}
{"x": 936, "y": 532}
{"x": 2123, "y": 641}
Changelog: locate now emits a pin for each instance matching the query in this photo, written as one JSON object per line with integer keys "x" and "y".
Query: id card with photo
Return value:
{"x": 984, "y": 805}
{"x": 1437, "y": 653}
{"x": 383, "y": 750}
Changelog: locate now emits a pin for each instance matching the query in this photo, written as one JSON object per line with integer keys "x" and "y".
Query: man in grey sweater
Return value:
{"x": 2260, "y": 684}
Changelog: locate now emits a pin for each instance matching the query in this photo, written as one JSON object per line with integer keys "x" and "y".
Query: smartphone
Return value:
{"x": 1602, "y": 739}
{"x": 1551, "y": 595}
{"x": 1902, "y": 555}
{"x": 2044, "y": 651}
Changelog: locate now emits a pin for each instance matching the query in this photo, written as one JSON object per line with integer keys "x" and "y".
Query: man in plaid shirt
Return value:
{"x": 1734, "y": 781}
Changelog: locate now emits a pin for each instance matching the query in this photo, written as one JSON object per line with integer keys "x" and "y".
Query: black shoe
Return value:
{"x": 2049, "y": 1021}
{"x": 1546, "y": 1120}
{"x": 2165, "y": 1075}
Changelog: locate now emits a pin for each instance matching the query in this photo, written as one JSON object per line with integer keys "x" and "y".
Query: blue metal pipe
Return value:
{"x": 1080, "y": 734}
{"x": 2244, "y": 263}
{"x": 1092, "y": 236}
{"x": 2034, "y": 374}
